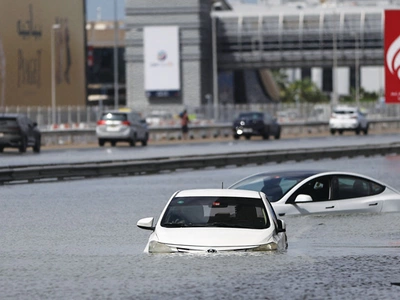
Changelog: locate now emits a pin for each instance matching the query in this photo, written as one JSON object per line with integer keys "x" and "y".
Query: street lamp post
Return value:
{"x": 53, "y": 73}
{"x": 116, "y": 28}
{"x": 334, "y": 100}
{"x": 215, "y": 66}
{"x": 357, "y": 70}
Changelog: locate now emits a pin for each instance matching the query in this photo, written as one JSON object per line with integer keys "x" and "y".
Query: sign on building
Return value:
{"x": 161, "y": 61}
{"x": 392, "y": 56}
{"x": 42, "y": 41}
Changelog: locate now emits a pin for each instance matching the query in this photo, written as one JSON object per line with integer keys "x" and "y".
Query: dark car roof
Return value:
{"x": 250, "y": 113}
{"x": 10, "y": 115}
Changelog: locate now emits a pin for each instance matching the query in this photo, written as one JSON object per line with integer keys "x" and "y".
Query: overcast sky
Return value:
{"x": 106, "y": 9}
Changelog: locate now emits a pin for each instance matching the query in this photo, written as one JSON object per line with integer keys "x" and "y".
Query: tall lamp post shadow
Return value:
{"x": 54, "y": 27}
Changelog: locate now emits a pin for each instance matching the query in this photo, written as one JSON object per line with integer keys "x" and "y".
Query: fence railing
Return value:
{"x": 86, "y": 117}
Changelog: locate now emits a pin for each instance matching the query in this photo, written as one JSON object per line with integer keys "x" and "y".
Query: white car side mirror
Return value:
{"x": 146, "y": 223}
{"x": 303, "y": 198}
{"x": 281, "y": 226}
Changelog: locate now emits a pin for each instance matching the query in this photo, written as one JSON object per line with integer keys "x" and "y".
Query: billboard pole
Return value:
{"x": 116, "y": 28}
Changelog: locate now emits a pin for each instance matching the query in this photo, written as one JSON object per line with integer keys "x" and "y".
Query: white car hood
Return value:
{"x": 215, "y": 237}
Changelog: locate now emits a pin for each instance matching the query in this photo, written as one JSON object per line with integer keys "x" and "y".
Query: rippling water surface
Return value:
{"x": 79, "y": 240}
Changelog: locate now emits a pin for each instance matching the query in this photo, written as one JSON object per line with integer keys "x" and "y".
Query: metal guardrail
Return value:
{"x": 31, "y": 174}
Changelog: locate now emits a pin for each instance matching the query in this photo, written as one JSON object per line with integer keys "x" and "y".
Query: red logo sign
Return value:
{"x": 392, "y": 56}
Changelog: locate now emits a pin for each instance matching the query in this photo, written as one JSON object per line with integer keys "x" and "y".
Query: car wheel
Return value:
{"x": 144, "y": 142}
{"x": 358, "y": 130}
{"x": 265, "y": 134}
{"x": 248, "y": 137}
{"x": 132, "y": 142}
{"x": 278, "y": 135}
{"x": 101, "y": 142}
{"x": 236, "y": 137}
{"x": 340, "y": 132}
{"x": 333, "y": 131}
{"x": 113, "y": 143}
{"x": 1, "y": 149}
{"x": 22, "y": 147}
{"x": 366, "y": 130}
{"x": 36, "y": 147}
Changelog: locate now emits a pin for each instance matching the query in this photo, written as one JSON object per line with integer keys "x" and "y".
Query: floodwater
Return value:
{"x": 79, "y": 240}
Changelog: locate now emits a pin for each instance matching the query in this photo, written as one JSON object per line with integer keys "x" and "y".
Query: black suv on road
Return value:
{"x": 250, "y": 124}
{"x": 18, "y": 131}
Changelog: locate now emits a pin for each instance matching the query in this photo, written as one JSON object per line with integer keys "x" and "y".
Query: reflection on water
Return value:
{"x": 79, "y": 240}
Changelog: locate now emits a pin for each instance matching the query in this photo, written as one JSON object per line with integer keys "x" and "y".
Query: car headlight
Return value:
{"x": 266, "y": 247}
{"x": 156, "y": 247}
{"x": 239, "y": 131}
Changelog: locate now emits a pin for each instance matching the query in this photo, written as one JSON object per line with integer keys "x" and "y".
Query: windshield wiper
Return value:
{"x": 174, "y": 225}
{"x": 222, "y": 224}
{"x": 219, "y": 224}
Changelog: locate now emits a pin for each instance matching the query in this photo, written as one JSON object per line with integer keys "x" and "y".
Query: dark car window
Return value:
{"x": 233, "y": 212}
{"x": 251, "y": 116}
{"x": 354, "y": 187}
{"x": 317, "y": 188}
{"x": 8, "y": 122}
{"x": 114, "y": 116}
{"x": 268, "y": 118}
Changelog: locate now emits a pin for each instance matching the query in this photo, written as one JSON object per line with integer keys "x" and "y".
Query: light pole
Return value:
{"x": 116, "y": 28}
{"x": 215, "y": 66}
{"x": 357, "y": 75}
{"x": 335, "y": 101}
{"x": 53, "y": 73}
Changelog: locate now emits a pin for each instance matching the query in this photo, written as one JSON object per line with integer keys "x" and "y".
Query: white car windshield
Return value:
{"x": 274, "y": 186}
{"x": 233, "y": 212}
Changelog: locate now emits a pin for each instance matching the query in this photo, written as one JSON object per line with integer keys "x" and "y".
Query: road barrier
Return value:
{"x": 39, "y": 173}
{"x": 88, "y": 136}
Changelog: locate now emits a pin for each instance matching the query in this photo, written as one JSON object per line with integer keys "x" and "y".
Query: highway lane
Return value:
{"x": 79, "y": 240}
{"x": 93, "y": 154}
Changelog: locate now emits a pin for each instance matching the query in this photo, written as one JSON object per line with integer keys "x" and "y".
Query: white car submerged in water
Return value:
{"x": 214, "y": 220}
{"x": 305, "y": 192}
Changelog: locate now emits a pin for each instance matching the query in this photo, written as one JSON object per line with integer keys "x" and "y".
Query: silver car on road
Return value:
{"x": 122, "y": 126}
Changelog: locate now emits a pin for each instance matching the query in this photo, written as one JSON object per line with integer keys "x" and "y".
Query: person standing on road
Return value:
{"x": 184, "y": 124}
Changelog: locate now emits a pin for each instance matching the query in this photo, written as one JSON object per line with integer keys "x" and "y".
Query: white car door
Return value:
{"x": 306, "y": 208}
{"x": 360, "y": 205}
{"x": 356, "y": 196}
{"x": 313, "y": 197}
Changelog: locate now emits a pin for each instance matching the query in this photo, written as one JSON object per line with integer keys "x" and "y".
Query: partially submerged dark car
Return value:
{"x": 250, "y": 124}
{"x": 18, "y": 131}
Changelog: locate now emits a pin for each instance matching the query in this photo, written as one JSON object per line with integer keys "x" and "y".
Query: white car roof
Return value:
{"x": 218, "y": 193}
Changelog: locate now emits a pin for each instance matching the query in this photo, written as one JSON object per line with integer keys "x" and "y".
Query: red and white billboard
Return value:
{"x": 392, "y": 56}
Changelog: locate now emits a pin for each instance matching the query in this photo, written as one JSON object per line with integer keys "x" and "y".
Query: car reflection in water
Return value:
{"x": 214, "y": 220}
{"x": 319, "y": 192}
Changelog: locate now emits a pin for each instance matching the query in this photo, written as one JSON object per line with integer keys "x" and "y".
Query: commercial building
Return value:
{"x": 42, "y": 53}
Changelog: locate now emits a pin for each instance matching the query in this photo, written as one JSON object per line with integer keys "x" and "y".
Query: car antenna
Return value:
{"x": 222, "y": 185}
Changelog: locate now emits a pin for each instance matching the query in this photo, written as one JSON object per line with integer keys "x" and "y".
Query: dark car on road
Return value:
{"x": 250, "y": 124}
{"x": 18, "y": 131}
